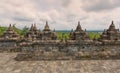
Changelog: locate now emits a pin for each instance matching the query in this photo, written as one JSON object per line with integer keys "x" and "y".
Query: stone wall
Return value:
{"x": 48, "y": 51}
{"x": 37, "y": 50}
{"x": 9, "y": 46}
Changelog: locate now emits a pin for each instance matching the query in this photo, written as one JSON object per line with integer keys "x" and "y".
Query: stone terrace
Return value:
{"x": 9, "y": 65}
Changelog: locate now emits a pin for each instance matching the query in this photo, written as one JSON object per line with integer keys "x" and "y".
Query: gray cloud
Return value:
{"x": 66, "y": 2}
{"x": 100, "y": 5}
{"x": 23, "y": 19}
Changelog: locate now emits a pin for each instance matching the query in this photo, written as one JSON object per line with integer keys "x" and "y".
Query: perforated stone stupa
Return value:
{"x": 47, "y": 34}
{"x": 33, "y": 33}
{"x": 79, "y": 34}
{"x": 10, "y": 34}
{"x": 111, "y": 34}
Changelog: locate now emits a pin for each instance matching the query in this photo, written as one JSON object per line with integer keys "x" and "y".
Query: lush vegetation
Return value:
{"x": 60, "y": 34}
{"x": 65, "y": 35}
{"x": 2, "y": 29}
{"x": 93, "y": 35}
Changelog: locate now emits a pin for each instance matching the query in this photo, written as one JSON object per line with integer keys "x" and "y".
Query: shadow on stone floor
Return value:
{"x": 22, "y": 57}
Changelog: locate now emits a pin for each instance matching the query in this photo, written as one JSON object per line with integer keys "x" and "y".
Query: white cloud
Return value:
{"x": 62, "y": 14}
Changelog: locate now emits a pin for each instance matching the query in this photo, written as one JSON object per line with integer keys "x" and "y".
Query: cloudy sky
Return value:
{"x": 61, "y": 14}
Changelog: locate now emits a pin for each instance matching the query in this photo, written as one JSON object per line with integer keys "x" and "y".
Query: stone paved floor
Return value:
{"x": 9, "y": 65}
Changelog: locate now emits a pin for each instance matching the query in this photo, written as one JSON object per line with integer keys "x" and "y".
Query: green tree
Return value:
{"x": 24, "y": 30}
{"x": 16, "y": 29}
